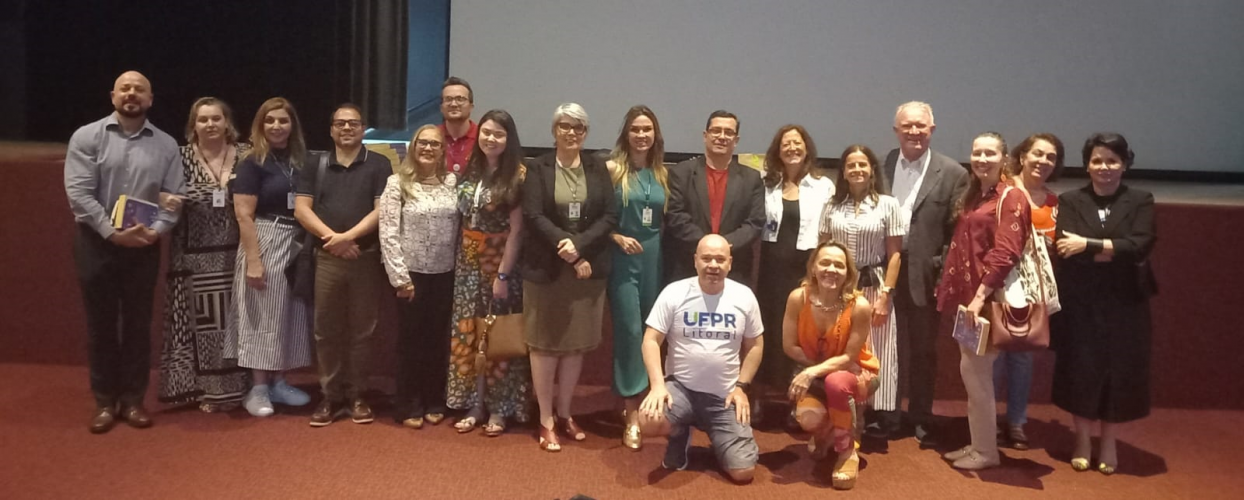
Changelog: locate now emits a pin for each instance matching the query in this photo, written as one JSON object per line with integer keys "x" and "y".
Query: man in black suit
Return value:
{"x": 714, "y": 194}
{"x": 926, "y": 184}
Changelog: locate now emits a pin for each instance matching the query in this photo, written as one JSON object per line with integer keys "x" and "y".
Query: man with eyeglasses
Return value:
{"x": 926, "y": 184}
{"x": 714, "y": 194}
{"x": 457, "y": 101}
{"x": 341, "y": 211}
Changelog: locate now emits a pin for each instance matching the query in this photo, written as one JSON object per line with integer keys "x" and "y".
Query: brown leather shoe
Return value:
{"x": 136, "y": 416}
{"x": 105, "y": 417}
{"x": 325, "y": 413}
{"x": 360, "y": 413}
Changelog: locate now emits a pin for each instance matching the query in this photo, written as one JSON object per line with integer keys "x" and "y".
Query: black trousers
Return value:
{"x": 917, "y": 349}
{"x": 423, "y": 346}
{"x": 118, "y": 285}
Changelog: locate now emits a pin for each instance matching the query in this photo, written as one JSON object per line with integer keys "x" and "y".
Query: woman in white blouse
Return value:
{"x": 418, "y": 227}
{"x": 866, "y": 220}
{"x": 794, "y": 200}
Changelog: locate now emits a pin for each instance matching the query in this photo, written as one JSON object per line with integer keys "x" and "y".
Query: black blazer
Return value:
{"x": 1129, "y": 226}
{"x": 687, "y": 217}
{"x": 931, "y": 226}
{"x": 545, "y": 225}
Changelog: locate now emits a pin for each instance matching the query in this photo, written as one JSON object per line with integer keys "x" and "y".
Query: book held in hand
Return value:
{"x": 130, "y": 212}
{"x": 973, "y": 336}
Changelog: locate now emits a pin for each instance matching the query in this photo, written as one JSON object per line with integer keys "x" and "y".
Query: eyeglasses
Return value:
{"x": 423, "y": 143}
{"x": 567, "y": 127}
{"x": 344, "y": 123}
{"x": 457, "y": 99}
{"x": 723, "y": 132}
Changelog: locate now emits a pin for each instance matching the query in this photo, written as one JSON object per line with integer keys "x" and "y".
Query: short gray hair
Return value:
{"x": 924, "y": 106}
{"x": 573, "y": 111}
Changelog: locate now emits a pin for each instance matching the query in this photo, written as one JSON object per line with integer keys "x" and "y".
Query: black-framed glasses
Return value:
{"x": 351, "y": 123}
{"x": 456, "y": 99}
{"x": 424, "y": 143}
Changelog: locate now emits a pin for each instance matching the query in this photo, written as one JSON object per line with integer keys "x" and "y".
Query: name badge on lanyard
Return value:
{"x": 218, "y": 198}
{"x": 289, "y": 201}
{"x": 646, "y": 218}
{"x": 574, "y": 210}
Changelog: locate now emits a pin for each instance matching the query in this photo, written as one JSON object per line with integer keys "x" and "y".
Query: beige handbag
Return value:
{"x": 500, "y": 338}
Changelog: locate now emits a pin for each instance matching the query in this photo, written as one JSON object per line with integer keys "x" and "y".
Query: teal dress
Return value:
{"x": 636, "y": 279}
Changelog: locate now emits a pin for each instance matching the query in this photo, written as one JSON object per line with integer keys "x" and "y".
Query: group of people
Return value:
{"x": 280, "y": 257}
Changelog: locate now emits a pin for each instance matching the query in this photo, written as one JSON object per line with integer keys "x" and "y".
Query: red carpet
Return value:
{"x": 48, "y": 453}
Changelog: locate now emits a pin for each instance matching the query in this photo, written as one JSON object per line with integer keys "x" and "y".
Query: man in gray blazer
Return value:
{"x": 926, "y": 184}
{"x": 714, "y": 194}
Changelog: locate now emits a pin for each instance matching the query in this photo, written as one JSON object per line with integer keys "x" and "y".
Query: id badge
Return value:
{"x": 218, "y": 198}
{"x": 574, "y": 210}
{"x": 289, "y": 201}
{"x": 646, "y": 218}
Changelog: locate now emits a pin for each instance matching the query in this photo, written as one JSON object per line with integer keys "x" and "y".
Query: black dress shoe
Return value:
{"x": 136, "y": 416}
{"x": 105, "y": 417}
{"x": 927, "y": 437}
{"x": 883, "y": 425}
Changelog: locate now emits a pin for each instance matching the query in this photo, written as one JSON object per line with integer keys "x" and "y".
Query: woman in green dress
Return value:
{"x": 639, "y": 179}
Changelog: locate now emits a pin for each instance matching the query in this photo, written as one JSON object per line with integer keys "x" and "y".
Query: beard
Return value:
{"x": 136, "y": 111}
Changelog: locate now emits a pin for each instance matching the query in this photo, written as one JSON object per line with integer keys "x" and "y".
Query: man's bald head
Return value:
{"x": 131, "y": 95}
{"x": 712, "y": 261}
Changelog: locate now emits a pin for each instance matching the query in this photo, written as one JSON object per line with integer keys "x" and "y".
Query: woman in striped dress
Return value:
{"x": 272, "y": 327}
{"x": 866, "y": 220}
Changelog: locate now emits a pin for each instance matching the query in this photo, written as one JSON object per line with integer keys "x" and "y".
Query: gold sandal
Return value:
{"x": 846, "y": 472}
{"x": 1080, "y": 464}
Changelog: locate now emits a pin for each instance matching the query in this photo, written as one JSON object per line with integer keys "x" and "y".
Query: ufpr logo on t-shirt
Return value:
{"x": 709, "y": 325}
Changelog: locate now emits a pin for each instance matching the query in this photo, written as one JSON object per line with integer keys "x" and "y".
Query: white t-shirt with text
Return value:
{"x": 705, "y": 333}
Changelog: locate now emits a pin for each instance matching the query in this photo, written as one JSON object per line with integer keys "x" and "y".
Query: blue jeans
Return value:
{"x": 1016, "y": 366}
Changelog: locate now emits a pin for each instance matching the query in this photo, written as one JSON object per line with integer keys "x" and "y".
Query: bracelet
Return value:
{"x": 743, "y": 385}
{"x": 503, "y": 277}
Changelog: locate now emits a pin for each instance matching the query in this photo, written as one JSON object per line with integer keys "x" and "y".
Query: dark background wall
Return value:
{"x": 241, "y": 51}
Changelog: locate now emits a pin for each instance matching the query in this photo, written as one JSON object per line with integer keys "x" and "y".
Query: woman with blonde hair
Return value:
{"x": 825, "y": 331}
{"x": 418, "y": 226}
{"x": 193, "y": 365}
{"x": 641, "y": 188}
{"x": 272, "y": 327}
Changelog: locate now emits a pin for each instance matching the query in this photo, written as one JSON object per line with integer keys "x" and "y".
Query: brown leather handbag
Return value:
{"x": 500, "y": 338}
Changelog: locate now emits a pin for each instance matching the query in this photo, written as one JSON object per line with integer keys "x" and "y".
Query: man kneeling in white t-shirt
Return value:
{"x": 711, "y": 323}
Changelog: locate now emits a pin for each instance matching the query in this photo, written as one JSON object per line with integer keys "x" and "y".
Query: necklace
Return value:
{"x": 217, "y": 172}
{"x": 816, "y": 302}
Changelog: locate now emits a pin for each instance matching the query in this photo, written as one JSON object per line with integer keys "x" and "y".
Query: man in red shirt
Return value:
{"x": 457, "y": 101}
{"x": 714, "y": 194}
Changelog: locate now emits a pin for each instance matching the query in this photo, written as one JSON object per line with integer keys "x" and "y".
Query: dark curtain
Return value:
{"x": 378, "y": 41}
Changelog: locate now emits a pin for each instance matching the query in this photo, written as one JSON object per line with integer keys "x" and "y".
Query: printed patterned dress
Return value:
{"x": 197, "y": 297}
{"x": 485, "y": 229}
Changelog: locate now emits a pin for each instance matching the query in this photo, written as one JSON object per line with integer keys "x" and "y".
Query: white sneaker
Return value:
{"x": 257, "y": 402}
{"x": 283, "y": 393}
{"x": 976, "y": 461}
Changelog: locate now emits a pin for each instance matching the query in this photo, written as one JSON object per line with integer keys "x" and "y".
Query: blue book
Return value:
{"x": 130, "y": 212}
{"x": 973, "y": 336}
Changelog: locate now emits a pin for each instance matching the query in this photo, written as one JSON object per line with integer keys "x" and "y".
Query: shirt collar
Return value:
{"x": 112, "y": 121}
{"x": 918, "y": 163}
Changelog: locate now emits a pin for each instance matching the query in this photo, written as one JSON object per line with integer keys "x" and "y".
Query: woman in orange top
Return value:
{"x": 1038, "y": 159}
{"x": 826, "y": 331}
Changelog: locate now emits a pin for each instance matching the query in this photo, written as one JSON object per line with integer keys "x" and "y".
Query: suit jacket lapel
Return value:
{"x": 699, "y": 180}
{"x": 891, "y": 162}
{"x": 932, "y": 176}
{"x": 1121, "y": 206}
{"x": 1083, "y": 200}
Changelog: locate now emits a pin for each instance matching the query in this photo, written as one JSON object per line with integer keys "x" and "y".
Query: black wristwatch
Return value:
{"x": 743, "y": 385}
{"x": 503, "y": 277}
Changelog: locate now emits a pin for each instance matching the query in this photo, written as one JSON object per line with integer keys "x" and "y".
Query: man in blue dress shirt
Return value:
{"x": 121, "y": 154}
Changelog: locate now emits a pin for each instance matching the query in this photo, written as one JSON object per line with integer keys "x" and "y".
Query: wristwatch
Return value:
{"x": 743, "y": 385}
{"x": 503, "y": 277}
{"x": 886, "y": 289}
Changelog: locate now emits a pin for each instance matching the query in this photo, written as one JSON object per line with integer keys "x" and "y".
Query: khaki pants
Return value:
{"x": 347, "y": 299}
{"x": 977, "y": 373}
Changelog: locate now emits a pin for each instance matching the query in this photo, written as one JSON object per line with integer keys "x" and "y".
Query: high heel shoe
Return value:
{"x": 1080, "y": 464}
{"x": 572, "y": 430}
{"x": 632, "y": 437}
{"x": 548, "y": 439}
{"x": 846, "y": 471}
{"x": 1105, "y": 469}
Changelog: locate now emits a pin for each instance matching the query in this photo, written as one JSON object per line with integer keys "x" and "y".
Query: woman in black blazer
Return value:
{"x": 569, "y": 213}
{"x": 1105, "y": 233}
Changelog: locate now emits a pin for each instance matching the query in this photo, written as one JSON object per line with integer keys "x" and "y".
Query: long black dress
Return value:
{"x": 1102, "y": 336}
{"x": 782, "y": 266}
